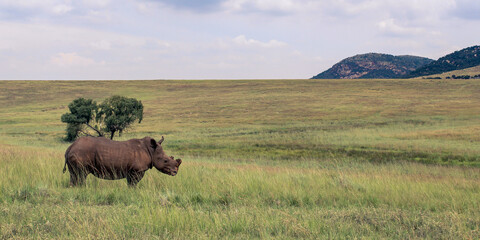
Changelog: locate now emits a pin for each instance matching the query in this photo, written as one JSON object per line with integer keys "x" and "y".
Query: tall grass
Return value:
{"x": 214, "y": 198}
{"x": 262, "y": 159}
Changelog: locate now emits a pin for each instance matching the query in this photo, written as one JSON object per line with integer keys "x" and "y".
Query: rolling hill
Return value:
{"x": 462, "y": 59}
{"x": 374, "y": 65}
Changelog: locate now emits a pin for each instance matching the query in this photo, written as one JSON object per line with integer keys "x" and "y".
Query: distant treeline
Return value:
{"x": 458, "y": 77}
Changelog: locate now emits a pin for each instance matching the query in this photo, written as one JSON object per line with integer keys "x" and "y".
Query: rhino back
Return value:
{"x": 100, "y": 152}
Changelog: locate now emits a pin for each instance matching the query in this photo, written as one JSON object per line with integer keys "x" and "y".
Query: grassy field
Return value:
{"x": 473, "y": 71}
{"x": 279, "y": 159}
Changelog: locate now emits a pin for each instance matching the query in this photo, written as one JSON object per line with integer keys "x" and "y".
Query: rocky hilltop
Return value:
{"x": 462, "y": 59}
{"x": 374, "y": 65}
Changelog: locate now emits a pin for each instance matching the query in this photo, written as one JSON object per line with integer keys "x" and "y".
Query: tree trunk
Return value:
{"x": 111, "y": 136}
{"x": 100, "y": 134}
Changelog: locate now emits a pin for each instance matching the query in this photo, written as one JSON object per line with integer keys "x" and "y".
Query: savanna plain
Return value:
{"x": 280, "y": 159}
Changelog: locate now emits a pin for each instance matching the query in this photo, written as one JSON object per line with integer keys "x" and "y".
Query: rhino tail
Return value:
{"x": 66, "y": 158}
{"x": 65, "y": 166}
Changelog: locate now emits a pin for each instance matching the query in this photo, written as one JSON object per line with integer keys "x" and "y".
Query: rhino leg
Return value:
{"x": 77, "y": 175}
{"x": 77, "y": 179}
{"x": 134, "y": 177}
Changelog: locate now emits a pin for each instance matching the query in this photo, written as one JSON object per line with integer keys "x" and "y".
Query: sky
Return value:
{"x": 220, "y": 39}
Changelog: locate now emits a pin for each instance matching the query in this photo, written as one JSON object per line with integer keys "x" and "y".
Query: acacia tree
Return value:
{"x": 82, "y": 112}
{"x": 118, "y": 113}
{"x": 114, "y": 114}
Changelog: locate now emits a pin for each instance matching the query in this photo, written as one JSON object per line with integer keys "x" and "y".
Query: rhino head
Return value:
{"x": 161, "y": 161}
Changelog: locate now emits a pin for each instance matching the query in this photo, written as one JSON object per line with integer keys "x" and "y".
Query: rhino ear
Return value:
{"x": 153, "y": 143}
{"x": 161, "y": 140}
{"x": 179, "y": 161}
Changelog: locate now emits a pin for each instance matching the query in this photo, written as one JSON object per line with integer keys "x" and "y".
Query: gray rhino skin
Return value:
{"x": 112, "y": 160}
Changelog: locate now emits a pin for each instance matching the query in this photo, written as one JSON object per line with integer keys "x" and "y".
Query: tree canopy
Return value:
{"x": 114, "y": 114}
{"x": 118, "y": 113}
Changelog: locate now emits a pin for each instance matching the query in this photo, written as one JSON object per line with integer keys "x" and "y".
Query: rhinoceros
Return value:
{"x": 112, "y": 160}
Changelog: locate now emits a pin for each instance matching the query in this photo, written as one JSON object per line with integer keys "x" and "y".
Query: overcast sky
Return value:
{"x": 221, "y": 39}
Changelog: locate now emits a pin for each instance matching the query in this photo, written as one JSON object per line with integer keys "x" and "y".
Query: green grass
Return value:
{"x": 342, "y": 159}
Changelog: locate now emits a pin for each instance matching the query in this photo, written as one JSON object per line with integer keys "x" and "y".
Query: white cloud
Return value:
{"x": 101, "y": 45}
{"x": 243, "y": 41}
{"x": 270, "y": 7}
{"x": 35, "y": 37}
{"x": 467, "y": 9}
{"x": 62, "y": 9}
{"x": 406, "y": 10}
{"x": 347, "y": 7}
{"x": 50, "y": 9}
{"x": 390, "y": 27}
{"x": 273, "y": 6}
{"x": 27, "y": 3}
{"x": 145, "y": 7}
{"x": 96, "y": 3}
{"x": 163, "y": 44}
{"x": 220, "y": 38}
{"x": 71, "y": 59}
